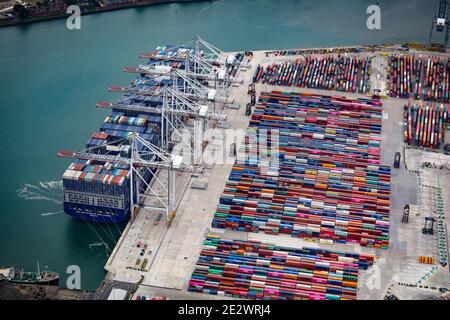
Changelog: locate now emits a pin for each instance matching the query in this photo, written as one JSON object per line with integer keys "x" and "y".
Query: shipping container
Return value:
{"x": 339, "y": 73}
{"x": 255, "y": 270}
{"x": 310, "y": 167}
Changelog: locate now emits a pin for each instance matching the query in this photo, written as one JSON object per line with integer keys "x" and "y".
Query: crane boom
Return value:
{"x": 125, "y": 161}
{"x": 157, "y": 111}
{"x": 154, "y": 91}
{"x": 201, "y": 76}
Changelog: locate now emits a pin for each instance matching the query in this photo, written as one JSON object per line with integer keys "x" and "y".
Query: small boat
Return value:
{"x": 19, "y": 276}
{"x": 7, "y": 273}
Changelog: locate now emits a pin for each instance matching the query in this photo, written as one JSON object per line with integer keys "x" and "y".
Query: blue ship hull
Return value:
{"x": 92, "y": 215}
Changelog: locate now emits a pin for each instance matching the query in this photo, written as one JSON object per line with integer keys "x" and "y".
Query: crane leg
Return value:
{"x": 431, "y": 33}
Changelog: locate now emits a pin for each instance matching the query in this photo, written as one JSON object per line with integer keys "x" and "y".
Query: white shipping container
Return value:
{"x": 313, "y": 229}
{"x": 112, "y": 148}
{"x": 328, "y": 223}
{"x": 346, "y": 259}
{"x": 77, "y": 175}
{"x": 290, "y": 209}
{"x": 68, "y": 174}
{"x": 318, "y": 136}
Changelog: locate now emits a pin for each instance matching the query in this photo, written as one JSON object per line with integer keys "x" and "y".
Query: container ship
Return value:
{"x": 99, "y": 192}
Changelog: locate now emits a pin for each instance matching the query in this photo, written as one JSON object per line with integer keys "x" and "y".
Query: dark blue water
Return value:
{"x": 51, "y": 78}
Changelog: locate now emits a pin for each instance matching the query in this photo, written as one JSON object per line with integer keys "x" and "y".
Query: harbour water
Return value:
{"x": 51, "y": 78}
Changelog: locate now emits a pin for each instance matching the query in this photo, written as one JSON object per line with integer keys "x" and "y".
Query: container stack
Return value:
{"x": 432, "y": 79}
{"x": 348, "y": 74}
{"x": 401, "y": 76}
{"x": 104, "y": 176}
{"x": 424, "y": 124}
{"x": 339, "y": 50}
{"x": 120, "y": 122}
{"x": 315, "y": 173}
{"x": 99, "y": 191}
{"x": 143, "y": 123}
{"x": 420, "y": 78}
{"x": 247, "y": 269}
{"x": 169, "y": 52}
{"x": 123, "y": 119}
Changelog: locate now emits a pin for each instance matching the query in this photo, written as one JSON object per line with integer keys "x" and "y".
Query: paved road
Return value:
{"x": 106, "y": 287}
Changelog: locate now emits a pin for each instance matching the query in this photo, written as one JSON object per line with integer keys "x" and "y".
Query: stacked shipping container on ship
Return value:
{"x": 100, "y": 192}
{"x": 169, "y": 54}
{"x": 327, "y": 182}
{"x": 249, "y": 269}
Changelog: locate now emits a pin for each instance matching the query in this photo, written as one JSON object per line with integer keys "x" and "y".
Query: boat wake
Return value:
{"x": 51, "y": 185}
{"x": 45, "y": 214}
{"x": 96, "y": 244}
{"x": 44, "y": 190}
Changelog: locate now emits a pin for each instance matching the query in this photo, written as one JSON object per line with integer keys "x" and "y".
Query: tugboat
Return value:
{"x": 19, "y": 276}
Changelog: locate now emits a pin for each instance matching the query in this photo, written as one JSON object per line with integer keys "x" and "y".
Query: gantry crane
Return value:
{"x": 216, "y": 75}
{"x": 206, "y": 63}
{"x": 191, "y": 88}
{"x": 440, "y": 22}
{"x": 175, "y": 109}
{"x": 429, "y": 225}
{"x": 147, "y": 157}
{"x": 178, "y": 106}
{"x": 203, "y": 50}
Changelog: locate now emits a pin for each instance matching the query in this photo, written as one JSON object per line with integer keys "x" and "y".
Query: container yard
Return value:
{"x": 340, "y": 73}
{"x": 420, "y": 78}
{"x": 255, "y": 270}
{"x": 328, "y": 176}
{"x": 317, "y": 212}
{"x": 425, "y": 125}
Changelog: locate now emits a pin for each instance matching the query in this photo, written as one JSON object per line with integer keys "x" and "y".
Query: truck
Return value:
{"x": 405, "y": 217}
{"x": 397, "y": 160}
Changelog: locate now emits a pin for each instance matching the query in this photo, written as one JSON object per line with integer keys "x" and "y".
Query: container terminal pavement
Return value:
{"x": 325, "y": 221}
